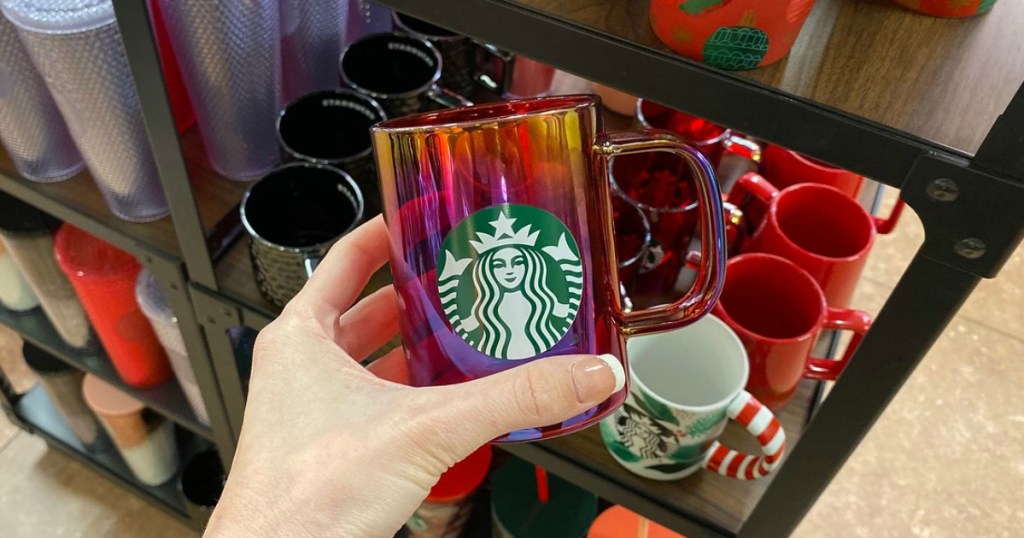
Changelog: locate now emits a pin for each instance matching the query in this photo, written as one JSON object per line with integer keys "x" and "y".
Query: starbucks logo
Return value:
{"x": 510, "y": 280}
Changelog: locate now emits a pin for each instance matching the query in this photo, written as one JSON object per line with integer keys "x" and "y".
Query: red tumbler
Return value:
{"x": 104, "y": 279}
{"x": 184, "y": 116}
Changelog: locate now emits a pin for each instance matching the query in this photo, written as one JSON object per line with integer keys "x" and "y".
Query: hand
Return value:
{"x": 330, "y": 448}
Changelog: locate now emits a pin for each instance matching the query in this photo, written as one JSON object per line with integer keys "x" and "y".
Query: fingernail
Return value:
{"x": 593, "y": 376}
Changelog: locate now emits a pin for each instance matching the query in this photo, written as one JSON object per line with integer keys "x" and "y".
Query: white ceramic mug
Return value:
{"x": 684, "y": 385}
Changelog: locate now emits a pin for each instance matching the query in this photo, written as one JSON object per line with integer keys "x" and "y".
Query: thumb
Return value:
{"x": 541, "y": 393}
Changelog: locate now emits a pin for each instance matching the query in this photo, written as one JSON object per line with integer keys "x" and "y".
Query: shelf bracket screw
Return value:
{"x": 943, "y": 190}
{"x": 971, "y": 248}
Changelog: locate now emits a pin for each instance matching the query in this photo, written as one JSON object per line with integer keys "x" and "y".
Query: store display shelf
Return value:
{"x": 79, "y": 202}
{"x": 869, "y": 86}
{"x": 166, "y": 399}
{"x": 38, "y": 414}
{"x": 704, "y": 504}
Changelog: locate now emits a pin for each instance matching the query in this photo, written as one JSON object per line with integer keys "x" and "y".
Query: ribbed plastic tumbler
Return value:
{"x": 77, "y": 47}
{"x": 230, "y": 57}
{"x": 157, "y": 307}
{"x": 27, "y": 234}
{"x": 104, "y": 278}
{"x": 15, "y": 293}
{"x": 312, "y": 36}
{"x": 31, "y": 127}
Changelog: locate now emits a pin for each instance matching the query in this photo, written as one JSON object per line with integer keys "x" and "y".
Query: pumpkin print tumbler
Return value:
{"x": 730, "y": 34}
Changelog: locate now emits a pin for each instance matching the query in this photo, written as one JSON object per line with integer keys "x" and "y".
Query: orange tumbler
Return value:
{"x": 950, "y": 9}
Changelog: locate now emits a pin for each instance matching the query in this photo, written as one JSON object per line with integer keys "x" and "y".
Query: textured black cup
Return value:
{"x": 401, "y": 72}
{"x": 333, "y": 127}
{"x": 293, "y": 216}
{"x": 201, "y": 484}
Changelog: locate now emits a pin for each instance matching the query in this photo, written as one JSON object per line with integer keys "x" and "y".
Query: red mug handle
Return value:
{"x": 888, "y": 224}
{"x": 711, "y": 273}
{"x": 753, "y": 185}
{"x": 840, "y": 319}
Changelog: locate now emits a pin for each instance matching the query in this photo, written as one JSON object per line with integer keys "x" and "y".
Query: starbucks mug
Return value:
{"x": 502, "y": 249}
{"x": 685, "y": 384}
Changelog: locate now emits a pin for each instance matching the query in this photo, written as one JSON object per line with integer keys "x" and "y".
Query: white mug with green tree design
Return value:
{"x": 684, "y": 385}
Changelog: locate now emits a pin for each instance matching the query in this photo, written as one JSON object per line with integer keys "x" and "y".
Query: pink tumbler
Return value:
{"x": 104, "y": 279}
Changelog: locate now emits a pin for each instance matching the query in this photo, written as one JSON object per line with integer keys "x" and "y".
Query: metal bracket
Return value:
{"x": 216, "y": 316}
{"x": 973, "y": 219}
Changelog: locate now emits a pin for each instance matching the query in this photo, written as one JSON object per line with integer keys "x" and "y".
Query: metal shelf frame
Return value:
{"x": 969, "y": 205}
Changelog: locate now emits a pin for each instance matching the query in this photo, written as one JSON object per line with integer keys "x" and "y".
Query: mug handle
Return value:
{"x": 507, "y": 60}
{"x": 840, "y": 319}
{"x": 762, "y": 424}
{"x": 310, "y": 262}
{"x": 888, "y": 224}
{"x": 447, "y": 98}
{"x": 711, "y": 274}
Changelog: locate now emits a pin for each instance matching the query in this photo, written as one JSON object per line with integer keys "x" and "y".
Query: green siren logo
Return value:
{"x": 510, "y": 280}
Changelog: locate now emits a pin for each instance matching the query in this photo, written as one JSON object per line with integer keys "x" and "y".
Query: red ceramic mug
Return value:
{"x": 778, "y": 311}
{"x": 730, "y": 34}
{"x": 818, "y": 227}
{"x": 785, "y": 167}
{"x": 950, "y": 9}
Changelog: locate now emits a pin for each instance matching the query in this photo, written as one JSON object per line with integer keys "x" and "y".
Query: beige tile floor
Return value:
{"x": 944, "y": 460}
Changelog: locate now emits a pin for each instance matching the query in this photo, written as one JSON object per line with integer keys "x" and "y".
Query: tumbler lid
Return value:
{"x": 152, "y": 299}
{"x": 82, "y": 255}
{"x": 463, "y": 478}
{"x": 58, "y": 16}
{"x": 42, "y": 362}
{"x": 106, "y": 399}
{"x": 18, "y": 217}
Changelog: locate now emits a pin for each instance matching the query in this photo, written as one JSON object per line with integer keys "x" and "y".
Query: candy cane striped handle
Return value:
{"x": 762, "y": 424}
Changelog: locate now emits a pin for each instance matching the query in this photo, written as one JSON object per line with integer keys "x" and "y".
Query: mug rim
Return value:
{"x": 773, "y": 216}
{"x": 723, "y": 313}
{"x": 322, "y": 246}
{"x": 380, "y": 95}
{"x": 366, "y": 99}
{"x": 720, "y": 404}
{"x": 807, "y": 161}
{"x": 646, "y": 124}
{"x": 489, "y": 113}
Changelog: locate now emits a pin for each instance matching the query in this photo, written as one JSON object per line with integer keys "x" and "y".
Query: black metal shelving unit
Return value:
{"x": 868, "y": 87}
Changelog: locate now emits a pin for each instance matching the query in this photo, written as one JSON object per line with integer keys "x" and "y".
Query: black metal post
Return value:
{"x": 175, "y": 284}
{"x": 144, "y": 59}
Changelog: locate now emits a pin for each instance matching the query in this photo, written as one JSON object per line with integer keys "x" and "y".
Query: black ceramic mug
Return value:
{"x": 201, "y": 484}
{"x": 293, "y": 216}
{"x": 333, "y": 127}
{"x": 401, "y": 72}
{"x": 465, "y": 62}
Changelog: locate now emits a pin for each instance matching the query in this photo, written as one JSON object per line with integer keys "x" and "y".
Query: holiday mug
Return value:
{"x": 685, "y": 385}
{"x": 778, "y": 311}
{"x": 951, "y": 9}
{"x": 730, "y": 34}
{"x": 502, "y": 243}
{"x": 784, "y": 168}
{"x": 817, "y": 227}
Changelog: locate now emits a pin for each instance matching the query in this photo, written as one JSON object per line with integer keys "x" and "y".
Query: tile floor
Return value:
{"x": 944, "y": 460}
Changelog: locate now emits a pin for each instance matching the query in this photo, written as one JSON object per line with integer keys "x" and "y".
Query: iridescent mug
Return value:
{"x": 502, "y": 249}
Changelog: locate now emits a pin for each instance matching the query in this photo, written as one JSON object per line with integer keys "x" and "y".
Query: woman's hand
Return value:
{"x": 330, "y": 448}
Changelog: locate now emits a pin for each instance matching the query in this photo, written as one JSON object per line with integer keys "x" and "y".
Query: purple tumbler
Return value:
{"x": 77, "y": 47}
{"x": 31, "y": 128}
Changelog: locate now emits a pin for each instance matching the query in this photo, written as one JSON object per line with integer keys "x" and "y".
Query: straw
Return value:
{"x": 543, "y": 491}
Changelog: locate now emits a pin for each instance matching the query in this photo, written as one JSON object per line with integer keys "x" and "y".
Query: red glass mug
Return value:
{"x": 778, "y": 311}
{"x": 502, "y": 243}
{"x": 819, "y": 228}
